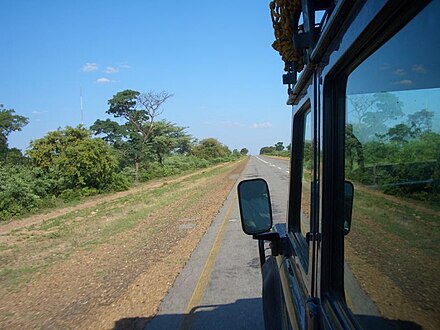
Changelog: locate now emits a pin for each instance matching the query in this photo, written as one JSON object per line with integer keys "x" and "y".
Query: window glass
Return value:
{"x": 306, "y": 176}
{"x": 392, "y": 155}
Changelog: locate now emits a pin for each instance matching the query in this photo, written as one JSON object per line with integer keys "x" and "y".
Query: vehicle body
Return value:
{"x": 370, "y": 87}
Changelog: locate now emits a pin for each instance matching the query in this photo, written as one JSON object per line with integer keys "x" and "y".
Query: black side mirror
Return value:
{"x": 348, "y": 205}
{"x": 255, "y": 207}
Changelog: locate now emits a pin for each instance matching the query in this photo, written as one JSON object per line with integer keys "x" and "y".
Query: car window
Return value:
{"x": 300, "y": 194}
{"x": 306, "y": 178}
{"x": 392, "y": 156}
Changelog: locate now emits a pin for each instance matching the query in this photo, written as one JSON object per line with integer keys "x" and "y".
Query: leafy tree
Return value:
{"x": 9, "y": 122}
{"x": 167, "y": 138}
{"x": 211, "y": 149}
{"x": 74, "y": 158}
{"x": 267, "y": 150}
{"x": 400, "y": 134}
{"x": 279, "y": 146}
{"x": 15, "y": 156}
{"x": 352, "y": 147}
{"x": 244, "y": 151}
{"x": 139, "y": 111}
{"x": 370, "y": 113}
{"x": 236, "y": 153}
{"x": 421, "y": 121}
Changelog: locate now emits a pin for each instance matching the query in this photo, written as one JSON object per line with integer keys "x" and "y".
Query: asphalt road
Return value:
{"x": 220, "y": 286}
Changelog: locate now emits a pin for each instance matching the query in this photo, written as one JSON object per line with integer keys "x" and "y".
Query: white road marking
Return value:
{"x": 261, "y": 160}
{"x": 279, "y": 168}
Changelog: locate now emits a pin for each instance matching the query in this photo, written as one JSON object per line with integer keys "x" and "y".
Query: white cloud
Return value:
{"x": 110, "y": 70}
{"x": 400, "y": 72}
{"x": 261, "y": 125}
{"x": 419, "y": 68}
{"x": 385, "y": 66}
{"x": 103, "y": 80}
{"x": 36, "y": 112}
{"x": 405, "y": 82}
{"x": 231, "y": 124}
{"x": 89, "y": 67}
{"x": 125, "y": 66}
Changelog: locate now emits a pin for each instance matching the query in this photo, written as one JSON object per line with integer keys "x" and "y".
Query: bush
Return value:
{"x": 19, "y": 191}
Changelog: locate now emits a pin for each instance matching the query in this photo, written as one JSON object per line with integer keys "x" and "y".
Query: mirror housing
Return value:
{"x": 348, "y": 205}
{"x": 255, "y": 206}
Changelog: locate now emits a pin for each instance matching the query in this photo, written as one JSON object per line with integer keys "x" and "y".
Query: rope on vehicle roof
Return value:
{"x": 285, "y": 15}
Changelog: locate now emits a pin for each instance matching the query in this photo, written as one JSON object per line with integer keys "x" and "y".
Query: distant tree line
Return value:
{"x": 276, "y": 150}
{"x": 402, "y": 160}
{"x": 111, "y": 155}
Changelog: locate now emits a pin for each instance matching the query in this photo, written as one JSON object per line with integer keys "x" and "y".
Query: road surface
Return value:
{"x": 220, "y": 286}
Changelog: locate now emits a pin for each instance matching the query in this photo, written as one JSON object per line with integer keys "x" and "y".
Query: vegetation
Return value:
{"x": 400, "y": 160}
{"x": 9, "y": 122}
{"x": 277, "y": 150}
{"x": 67, "y": 164}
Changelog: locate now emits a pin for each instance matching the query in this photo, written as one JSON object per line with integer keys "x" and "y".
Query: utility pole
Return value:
{"x": 81, "y": 102}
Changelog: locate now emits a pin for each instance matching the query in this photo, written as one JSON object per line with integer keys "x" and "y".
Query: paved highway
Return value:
{"x": 220, "y": 286}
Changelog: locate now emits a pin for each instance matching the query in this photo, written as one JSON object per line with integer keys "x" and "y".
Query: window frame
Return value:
{"x": 369, "y": 26}
{"x": 300, "y": 244}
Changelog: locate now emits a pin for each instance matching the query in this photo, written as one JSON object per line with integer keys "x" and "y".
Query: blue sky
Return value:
{"x": 214, "y": 56}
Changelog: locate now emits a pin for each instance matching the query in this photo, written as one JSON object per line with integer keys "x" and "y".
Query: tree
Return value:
{"x": 167, "y": 138}
{"x": 267, "y": 150}
{"x": 279, "y": 146}
{"x": 9, "y": 122}
{"x": 352, "y": 146}
{"x": 369, "y": 114}
{"x": 74, "y": 158}
{"x": 244, "y": 151}
{"x": 400, "y": 133}
{"x": 139, "y": 111}
{"x": 421, "y": 121}
{"x": 211, "y": 149}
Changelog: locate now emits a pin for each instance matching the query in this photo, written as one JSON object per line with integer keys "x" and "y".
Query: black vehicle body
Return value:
{"x": 303, "y": 273}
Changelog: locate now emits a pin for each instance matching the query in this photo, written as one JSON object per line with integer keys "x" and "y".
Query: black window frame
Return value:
{"x": 300, "y": 244}
{"x": 370, "y": 26}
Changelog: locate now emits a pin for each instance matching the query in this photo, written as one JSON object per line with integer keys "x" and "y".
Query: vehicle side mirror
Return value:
{"x": 255, "y": 206}
{"x": 348, "y": 205}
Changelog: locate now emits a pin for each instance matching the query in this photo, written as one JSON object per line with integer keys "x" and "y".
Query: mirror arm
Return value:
{"x": 267, "y": 236}
{"x": 279, "y": 243}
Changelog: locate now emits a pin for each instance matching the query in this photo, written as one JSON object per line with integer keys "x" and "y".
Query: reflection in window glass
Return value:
{"x": 306, "y": 175}
{"x": 392, "y": 155}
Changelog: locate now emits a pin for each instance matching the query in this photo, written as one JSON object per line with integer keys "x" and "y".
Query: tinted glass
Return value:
{"x": 392, "y": 154}
{"x": 255, "y": 208}
{"x": 306, "y": 175}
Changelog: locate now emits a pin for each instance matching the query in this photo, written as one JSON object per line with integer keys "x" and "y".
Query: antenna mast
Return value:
{"x": 81, "y": 102}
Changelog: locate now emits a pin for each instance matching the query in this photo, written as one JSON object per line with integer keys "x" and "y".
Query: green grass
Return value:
{"x": 16, "y": 276}
{"x": 414, "y": 227}
{"x": 42, "y": 245}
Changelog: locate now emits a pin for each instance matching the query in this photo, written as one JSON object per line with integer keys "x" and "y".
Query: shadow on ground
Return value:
{"x": 242, "y": 314}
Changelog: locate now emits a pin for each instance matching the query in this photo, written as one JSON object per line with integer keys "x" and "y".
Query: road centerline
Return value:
{"x": 202, "y": 282}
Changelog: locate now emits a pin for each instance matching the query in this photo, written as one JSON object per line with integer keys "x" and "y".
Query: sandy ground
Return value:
{"x": 118, "y": 284}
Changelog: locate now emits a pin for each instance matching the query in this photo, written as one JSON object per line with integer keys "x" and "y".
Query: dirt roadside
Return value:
{"x": 6, "y": 228}
{"x": 121, "y": 282}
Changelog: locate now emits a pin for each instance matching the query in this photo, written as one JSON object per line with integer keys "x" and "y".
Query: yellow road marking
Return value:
{"x": 202, "y": 283}
{"x": 348, "y": 300}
